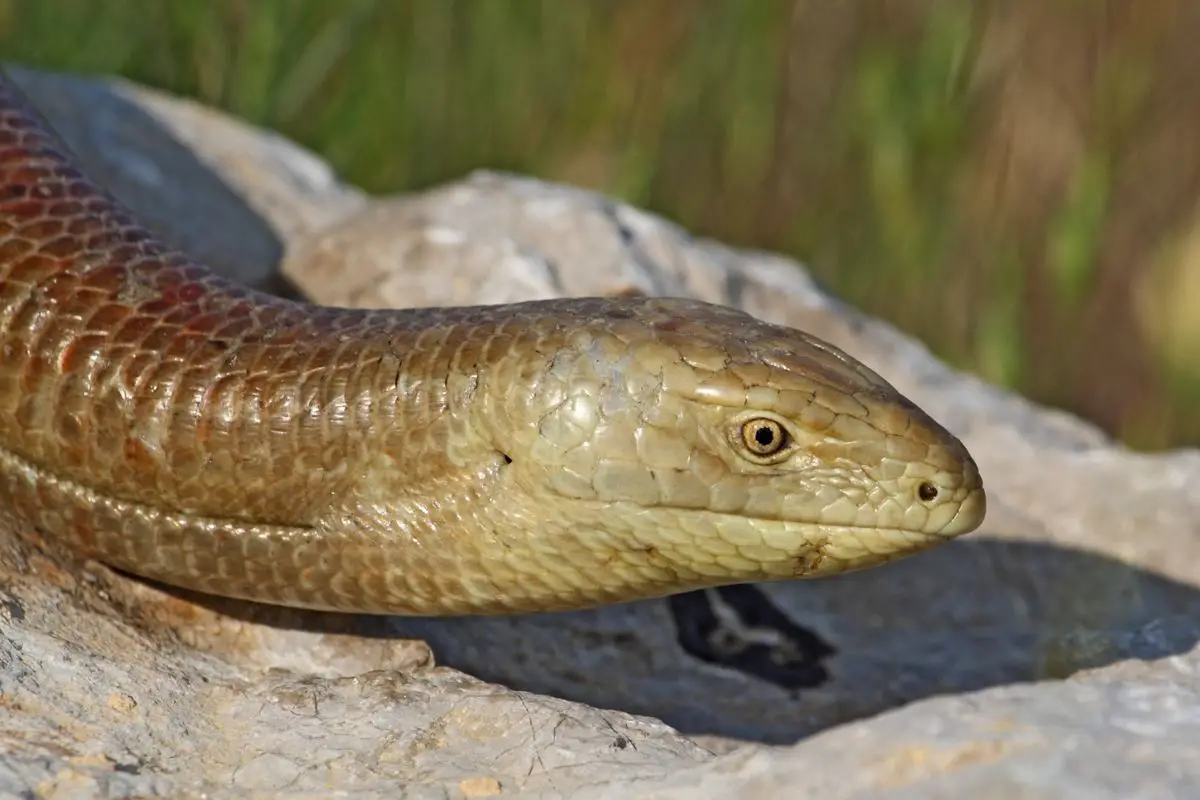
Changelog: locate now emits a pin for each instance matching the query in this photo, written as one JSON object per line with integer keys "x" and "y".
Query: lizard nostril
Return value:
{"x": 927, "y": 491}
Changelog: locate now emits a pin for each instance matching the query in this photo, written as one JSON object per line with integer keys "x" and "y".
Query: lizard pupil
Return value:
{"x": 763, "y": 437}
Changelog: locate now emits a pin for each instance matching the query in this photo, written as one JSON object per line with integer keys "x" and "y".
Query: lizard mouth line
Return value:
{"x": 952, "y": 528}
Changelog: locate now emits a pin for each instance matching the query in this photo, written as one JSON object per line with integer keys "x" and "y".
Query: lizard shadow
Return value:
{"x": 774, "y": 663}
{"x": 970, "y": 615}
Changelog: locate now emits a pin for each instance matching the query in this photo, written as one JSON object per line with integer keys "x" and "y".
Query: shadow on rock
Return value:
{"x": 810, "y": 654}
{"x": 777, "y": 662}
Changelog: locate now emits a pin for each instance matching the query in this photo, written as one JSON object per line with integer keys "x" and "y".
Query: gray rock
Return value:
{"x": 1129, "y": 730}
{"x": 1054, "y": 653}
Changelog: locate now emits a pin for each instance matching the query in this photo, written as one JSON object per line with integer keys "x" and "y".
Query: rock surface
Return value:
{"x": 1053, "y": 653}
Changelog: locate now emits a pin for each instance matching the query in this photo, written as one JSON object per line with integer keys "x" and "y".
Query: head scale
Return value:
{"x": 716, "y": 448}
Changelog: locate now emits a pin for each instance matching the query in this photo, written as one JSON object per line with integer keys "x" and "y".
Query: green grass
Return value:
{"x": 852, "y": 135}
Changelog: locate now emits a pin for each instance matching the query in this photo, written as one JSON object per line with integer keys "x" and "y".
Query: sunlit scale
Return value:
{"x": 514, "y": 458}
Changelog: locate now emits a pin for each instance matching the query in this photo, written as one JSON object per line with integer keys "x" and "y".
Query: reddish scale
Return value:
{"x": 191, "y": 292}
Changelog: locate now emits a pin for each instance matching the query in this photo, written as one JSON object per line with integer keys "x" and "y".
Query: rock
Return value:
{"x": 1052, "y": 653}
{"x": 1128, "y": 730}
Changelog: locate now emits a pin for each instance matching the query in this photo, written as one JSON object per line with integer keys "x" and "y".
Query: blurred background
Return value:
{"x": 1015, "y": 182}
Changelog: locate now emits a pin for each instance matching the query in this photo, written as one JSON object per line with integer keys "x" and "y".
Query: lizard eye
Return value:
{"x": 763, "y": 437}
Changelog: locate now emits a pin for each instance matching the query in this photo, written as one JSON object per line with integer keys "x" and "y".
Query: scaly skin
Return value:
{"x": 487, "y": 460}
